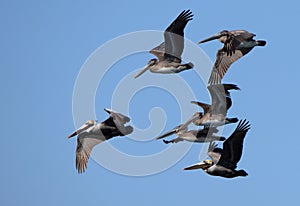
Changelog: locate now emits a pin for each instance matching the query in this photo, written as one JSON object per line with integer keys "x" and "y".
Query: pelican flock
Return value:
{"x": 223, "y": 161}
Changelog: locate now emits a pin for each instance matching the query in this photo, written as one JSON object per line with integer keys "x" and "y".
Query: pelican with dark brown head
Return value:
{"x": 237, "y": 43}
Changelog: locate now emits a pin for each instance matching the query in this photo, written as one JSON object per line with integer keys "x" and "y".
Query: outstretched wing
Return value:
{"x": 117, "y": 120}
{"x": 220, "y": 97}
{"x": 209, "y": 130}
{"x": 84, "y": 149}
{"x": 174, "y": 41}
{"x": 233, "y": 146}
{"x": 214, "y": 152}
{"x": 222, "y": 64}
{"x": 159, "y": 51}
{"x": 196, "y": 117}
{"x": 234, "y": 40}
{"x": 229, "y": 54}
{"x": 206, "y": 107}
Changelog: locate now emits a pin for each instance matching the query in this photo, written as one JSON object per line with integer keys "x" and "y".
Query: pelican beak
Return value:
{"x": 201, "y": 165}
{"x": 216, "y": 36}
{"x": 72, "y": 135}
{"x": 142, "y": 71}
{"x": 109, "y": 111}
{"x": 173, "y": 131}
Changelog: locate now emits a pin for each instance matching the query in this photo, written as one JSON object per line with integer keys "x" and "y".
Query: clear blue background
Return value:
{"x": 45, "y": 43}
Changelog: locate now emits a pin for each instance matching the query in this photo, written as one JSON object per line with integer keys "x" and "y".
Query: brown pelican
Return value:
{"x": 237, "y": 43}
{"x": 90, "y": 134}
{"x": 224, "y": 161}
{"x": 169, "y": 52}
{"x": 215, "y": 114}
{"x": 201, "y": 135}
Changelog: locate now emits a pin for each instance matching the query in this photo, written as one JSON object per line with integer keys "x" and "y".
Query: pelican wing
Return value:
{"x": 195, "y": 117}
{"x": 84, "y": 149}
{"x": 222, "y": 64}
{"x": 214, "y": 152}
{"x": 235, "y": 38}
{"x": 206, "y": 107}
{"x": 220, "y": 97}
{"x": 117, "y": 120}
{"x": 233, "y": 146}
{"x": 117, "y": 117}
{"x": 174, "y": 41}
{"x": 159, "y": 51}
{"x": 207, "y": 131}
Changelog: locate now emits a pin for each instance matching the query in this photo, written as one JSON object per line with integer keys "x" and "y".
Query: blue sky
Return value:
{"x": 43, "y": 47}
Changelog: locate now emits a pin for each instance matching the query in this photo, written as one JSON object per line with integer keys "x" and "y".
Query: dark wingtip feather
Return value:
{"x": 186, "y": 14}
{"x": 244, "y": 125}
{"x": 231, "y": 87}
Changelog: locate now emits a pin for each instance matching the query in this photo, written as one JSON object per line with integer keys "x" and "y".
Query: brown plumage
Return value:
{"x": 90, "y": 134}
{"x": 200, "y": 135}
{"x": 224, "y": 161}
{"x": 237, "y": 43}
{"x": 169, "y": 52}
{"x": 215, "y": 114}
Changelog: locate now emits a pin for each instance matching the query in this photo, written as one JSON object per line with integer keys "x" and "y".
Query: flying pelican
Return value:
{"x": 90, "y": 134}
{"x": 237, "y": 43}
{"x": 200, "y": 136}
{"x": 215, "y": 114}
{"x": 169, "y": 52}
{"x": 224, "y": 161}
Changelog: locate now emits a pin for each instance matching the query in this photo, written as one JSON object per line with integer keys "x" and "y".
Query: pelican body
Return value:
{"x": 199, "y": 136}
{"x": 169, "y": 52}
{"x": 90, "y": 134}
{"x": 237, "y": 43}
{"x": 224, "y": 161}
{"x": 215, "y": 114}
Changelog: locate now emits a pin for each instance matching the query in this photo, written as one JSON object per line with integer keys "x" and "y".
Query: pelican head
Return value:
{"x": 222, "y": 36}
{"x": 204, "y": 165}
{"x": 84, "y": 127}
{"x": 150, "y": 63}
